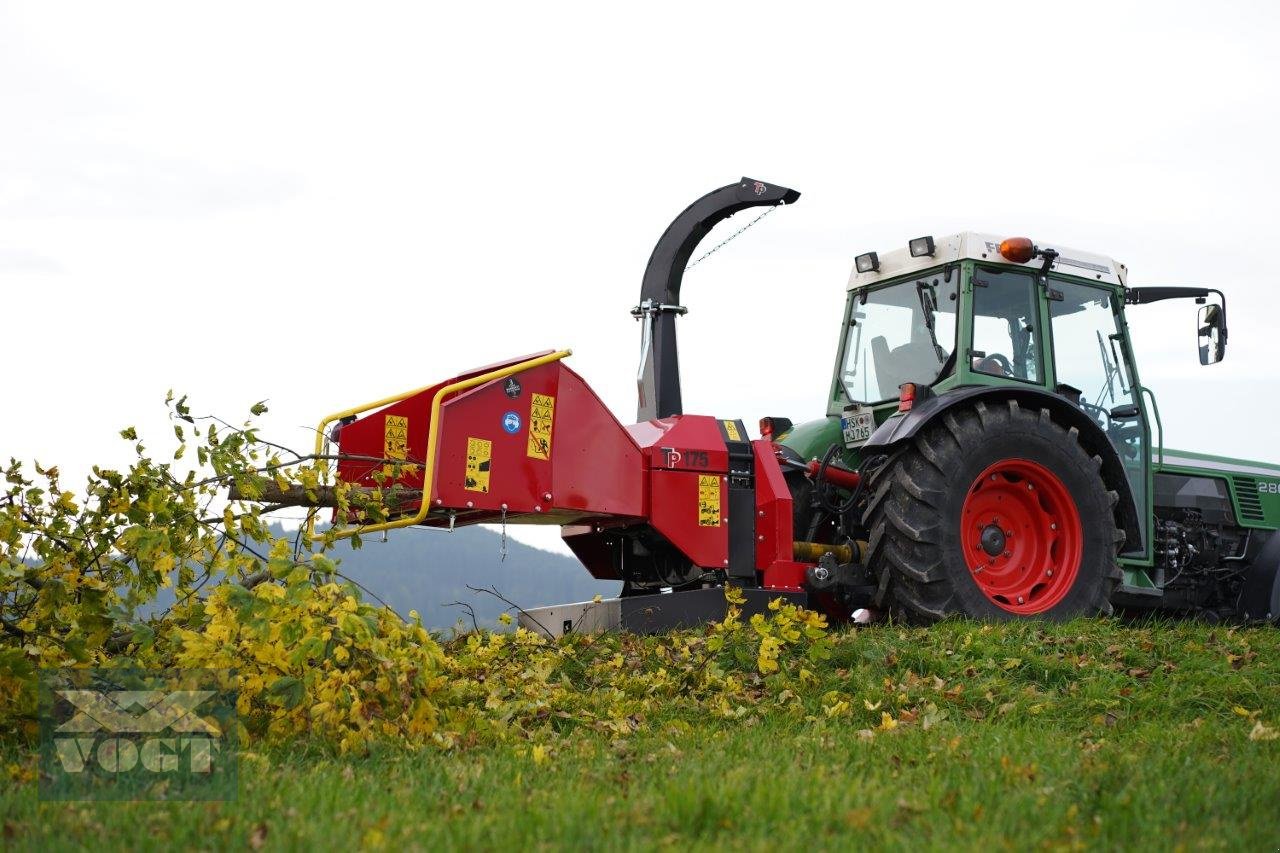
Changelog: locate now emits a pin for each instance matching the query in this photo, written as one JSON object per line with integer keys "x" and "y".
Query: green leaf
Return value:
{"x": 129, "y": 434}
{"x": 289, "y": 689}
{"x": 259, "y": 408}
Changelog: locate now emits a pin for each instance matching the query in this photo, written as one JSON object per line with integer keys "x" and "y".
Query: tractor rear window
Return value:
{"x": 905, "y": 332}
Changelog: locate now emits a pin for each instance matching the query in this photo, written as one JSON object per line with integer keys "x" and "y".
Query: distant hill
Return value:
{"x": 425, "y": 570}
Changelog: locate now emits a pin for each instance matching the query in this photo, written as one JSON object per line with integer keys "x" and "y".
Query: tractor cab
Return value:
{"x": 960, "y": 312}
{"x": 976, "y": 315}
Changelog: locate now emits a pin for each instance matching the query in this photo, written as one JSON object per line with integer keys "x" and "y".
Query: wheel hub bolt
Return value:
{"x": 1020, "y": 601}
{"x": 1048, "y": 573}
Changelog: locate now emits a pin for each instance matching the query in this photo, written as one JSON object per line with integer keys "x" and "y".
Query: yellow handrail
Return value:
{"x": 433, "y": 435}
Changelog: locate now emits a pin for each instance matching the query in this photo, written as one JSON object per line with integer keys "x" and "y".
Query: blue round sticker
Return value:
{"x": 511, "y": 422}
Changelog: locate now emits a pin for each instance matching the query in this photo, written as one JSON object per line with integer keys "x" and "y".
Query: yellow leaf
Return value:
{"x": 1240, "y": 712}
{"x": 539, "y": 754}
{"x": 887, "y": 722}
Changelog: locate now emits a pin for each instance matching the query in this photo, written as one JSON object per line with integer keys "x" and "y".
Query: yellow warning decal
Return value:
{"x": 479, "y": 453}
{"x": 542, "y": 411}
{"x": 395, "y": 440}
{"x": 731, "y": 430}
{"x": 708, "y": 500}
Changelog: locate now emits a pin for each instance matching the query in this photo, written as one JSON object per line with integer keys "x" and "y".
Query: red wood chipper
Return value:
{"x": 674, "y": 506}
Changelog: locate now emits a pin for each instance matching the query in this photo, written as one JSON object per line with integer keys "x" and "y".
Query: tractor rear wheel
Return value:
{"x": 993, "y": 512}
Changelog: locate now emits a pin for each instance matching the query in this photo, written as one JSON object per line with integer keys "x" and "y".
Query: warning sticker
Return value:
{"x": 542, "y": 411}
{"x": 708, "y": 500}
{"x": 395, "y": 440}
{"x": 479, "y": 453}
{"x": 731, "y": 430}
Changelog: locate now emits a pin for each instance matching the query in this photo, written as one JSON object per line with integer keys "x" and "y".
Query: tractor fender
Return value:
{"x": 904, "y": 426}
{"x": 1260, "y": 594}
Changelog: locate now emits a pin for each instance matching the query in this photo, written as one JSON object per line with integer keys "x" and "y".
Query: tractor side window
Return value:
{"x": 1006, "y": 342}
{"x": 905, "y": 332}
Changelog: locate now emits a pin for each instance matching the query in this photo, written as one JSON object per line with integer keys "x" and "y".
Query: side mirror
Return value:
{"x": 1212, "y": 334}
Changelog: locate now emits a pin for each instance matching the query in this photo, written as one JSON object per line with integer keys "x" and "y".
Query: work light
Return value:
{"x": 870, "y": 262}
{"x": 921, "y": 246}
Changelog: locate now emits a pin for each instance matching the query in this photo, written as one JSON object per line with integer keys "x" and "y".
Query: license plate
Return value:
{"x": 857, "y": 423}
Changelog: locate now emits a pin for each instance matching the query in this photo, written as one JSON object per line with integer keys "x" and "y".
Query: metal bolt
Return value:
{"x": 726, "y": 562}
{"x": 537, "y": 507}
{"x": 1030, "y": 487}
{"x": 977, "y": 570}
{"x": 439, "y": 502}
{"x": 760, "y": 513}
{"x": 470, "y": 504}
{"x": 993, "y": 476}
{"x": 504, "y": 507}
{"x": 761, "y": 538}
{"x": 1053, "y": 526}
{"x": 1020, "y": 601}
{"x": 546, "y": 496}
{"x": 1008, "y": 553}
{"x": 1048, "y": 573}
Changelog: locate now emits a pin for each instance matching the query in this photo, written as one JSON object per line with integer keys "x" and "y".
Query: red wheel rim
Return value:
{"x": 1021, "y": 535}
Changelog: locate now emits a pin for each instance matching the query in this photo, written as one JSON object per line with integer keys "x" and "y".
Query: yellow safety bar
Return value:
{"x": 433, "y": 437}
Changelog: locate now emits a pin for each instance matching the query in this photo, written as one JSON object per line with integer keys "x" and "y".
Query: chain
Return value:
{"x": 718, "y": 246}
{"x": 503, "y": 558}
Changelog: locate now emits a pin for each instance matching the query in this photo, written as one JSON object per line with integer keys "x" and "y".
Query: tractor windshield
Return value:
{"x": 905, "y": 332}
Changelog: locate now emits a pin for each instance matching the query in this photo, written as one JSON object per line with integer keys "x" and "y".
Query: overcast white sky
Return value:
{"x": 321, "y": 203}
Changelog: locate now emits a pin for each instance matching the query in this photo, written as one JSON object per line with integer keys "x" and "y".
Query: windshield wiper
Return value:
{"x": 928, "y": 306}
{"x": 1110, "y": 369}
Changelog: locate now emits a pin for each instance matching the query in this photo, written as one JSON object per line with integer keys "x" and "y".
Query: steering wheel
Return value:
{"x": 993, "y": 362}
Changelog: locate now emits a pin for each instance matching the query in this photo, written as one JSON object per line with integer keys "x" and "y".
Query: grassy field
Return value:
{"x": 1090, "y": 734}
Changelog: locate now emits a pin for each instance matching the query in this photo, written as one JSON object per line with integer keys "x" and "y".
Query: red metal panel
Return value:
{"x": 683, "y": 443}
{"x": 368, "y": 435}
{"x": 503, "y": 472}
{"x": 598, "y": 466}
{"x": 774, "y": 533}
{"x": 773, "y": 508}
{"x": 676, "y": 513}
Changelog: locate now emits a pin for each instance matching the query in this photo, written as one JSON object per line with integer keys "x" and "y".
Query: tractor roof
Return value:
{"x": 986, "y": 247}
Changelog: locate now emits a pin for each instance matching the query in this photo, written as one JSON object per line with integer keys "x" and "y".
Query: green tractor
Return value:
{"x": 1011, "y": 461}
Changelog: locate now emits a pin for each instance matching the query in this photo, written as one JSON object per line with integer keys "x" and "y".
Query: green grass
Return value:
{"x": 1090, "y": 734}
